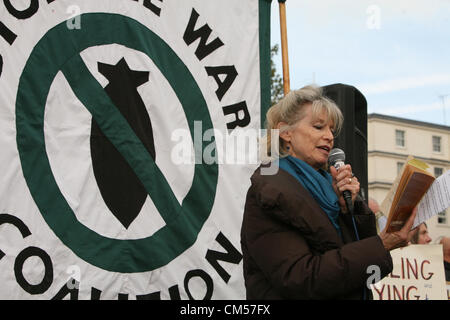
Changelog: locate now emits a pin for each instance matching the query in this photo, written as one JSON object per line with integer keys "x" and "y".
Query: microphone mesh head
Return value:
{"x": 336, "y": 155}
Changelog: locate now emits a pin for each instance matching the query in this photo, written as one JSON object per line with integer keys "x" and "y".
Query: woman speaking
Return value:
{"x": 298, "y": 240}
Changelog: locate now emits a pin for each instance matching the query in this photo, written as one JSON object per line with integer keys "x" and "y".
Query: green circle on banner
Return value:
{"x": 59, "y": 51}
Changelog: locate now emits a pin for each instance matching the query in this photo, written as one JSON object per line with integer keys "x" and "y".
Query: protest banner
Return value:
{"x": 94, "y": 94}
{"x": 418, "y": 274}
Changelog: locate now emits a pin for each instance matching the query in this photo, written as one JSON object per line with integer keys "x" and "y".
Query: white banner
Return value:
{"x": 418, "y": 274}
{"x": 113, "y": 118}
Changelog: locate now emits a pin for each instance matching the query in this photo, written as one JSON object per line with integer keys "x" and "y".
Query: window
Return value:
{"x": 442, "y": 217}
{"x": 399, "y": 167}
{"x": 438, "y": 171}
{"x": 436, "y": 144}
{"x": 399, "y": 138}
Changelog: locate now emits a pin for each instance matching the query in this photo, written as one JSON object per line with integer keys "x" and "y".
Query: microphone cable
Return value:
{"x": 357, "y": 239}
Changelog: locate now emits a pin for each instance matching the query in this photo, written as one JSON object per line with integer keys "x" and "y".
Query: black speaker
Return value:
{"x": 353, "y": 136}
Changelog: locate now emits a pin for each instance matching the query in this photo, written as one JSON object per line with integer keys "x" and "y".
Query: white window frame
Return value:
{"x": 438, "y": 144}
{"x": 397, "y": 138}
{"x": 400, "y": 166}
{"x": 442, "y": 218}
{"x": 438, "y": 168}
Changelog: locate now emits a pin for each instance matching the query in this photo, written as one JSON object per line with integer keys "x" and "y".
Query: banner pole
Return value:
{"x": 284, "y": 46}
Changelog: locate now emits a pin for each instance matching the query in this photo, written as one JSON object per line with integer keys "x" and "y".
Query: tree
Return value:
{"x": 276, "y": 82}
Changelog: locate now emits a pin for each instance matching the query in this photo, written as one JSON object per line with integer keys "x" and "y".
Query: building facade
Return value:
{"x": 390, "y": 141}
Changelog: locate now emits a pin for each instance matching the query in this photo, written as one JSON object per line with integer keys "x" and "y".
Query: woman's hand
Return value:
{"x": 344, "y": 180}
{"x": 400, "y": 238}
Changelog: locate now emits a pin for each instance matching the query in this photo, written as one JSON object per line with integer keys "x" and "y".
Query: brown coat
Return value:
{"x": 292, "y": 251}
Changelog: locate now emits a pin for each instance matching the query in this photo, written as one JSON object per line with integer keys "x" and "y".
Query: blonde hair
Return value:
{"x": 290, "y": 110}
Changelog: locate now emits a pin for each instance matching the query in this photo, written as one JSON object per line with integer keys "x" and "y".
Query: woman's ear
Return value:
{"x": 284, "y": 134}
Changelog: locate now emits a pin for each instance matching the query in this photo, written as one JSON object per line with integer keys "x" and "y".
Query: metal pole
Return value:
{"x": 284, "y": 46}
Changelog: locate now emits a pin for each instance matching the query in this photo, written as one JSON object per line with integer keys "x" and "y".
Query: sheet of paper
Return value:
{"x": 435, "y": 200}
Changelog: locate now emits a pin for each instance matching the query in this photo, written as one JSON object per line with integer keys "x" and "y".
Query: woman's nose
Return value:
{"x": 329, "y": 134}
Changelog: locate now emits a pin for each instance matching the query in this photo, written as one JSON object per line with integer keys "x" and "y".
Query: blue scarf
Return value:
{"x": 318, "y": 183}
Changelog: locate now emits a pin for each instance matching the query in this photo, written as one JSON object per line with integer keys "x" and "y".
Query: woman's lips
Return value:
{"x": 324, "y": 149}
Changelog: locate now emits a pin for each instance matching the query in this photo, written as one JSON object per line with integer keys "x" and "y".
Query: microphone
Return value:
{"x": 336, "y": 159}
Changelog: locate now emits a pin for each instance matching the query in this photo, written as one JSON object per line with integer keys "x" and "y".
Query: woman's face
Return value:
{"x": 311, "y": 139}
{"x": 424, "y": 237}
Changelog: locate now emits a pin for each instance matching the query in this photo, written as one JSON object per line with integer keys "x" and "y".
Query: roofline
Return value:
{"x": 405, "y": 156}
{"x": 407, "y": 121}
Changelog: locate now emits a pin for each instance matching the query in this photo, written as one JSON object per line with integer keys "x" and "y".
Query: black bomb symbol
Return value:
{"x": 121, "y": 189}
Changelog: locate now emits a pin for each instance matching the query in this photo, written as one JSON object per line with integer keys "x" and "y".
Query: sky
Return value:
{"x": 396, "y": 52}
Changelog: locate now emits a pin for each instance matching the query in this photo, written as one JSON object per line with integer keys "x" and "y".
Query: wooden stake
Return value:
{"x": 284, "y": 48}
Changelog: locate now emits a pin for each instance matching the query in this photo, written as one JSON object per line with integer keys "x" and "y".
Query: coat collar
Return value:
{"x": 299, "y": 209}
